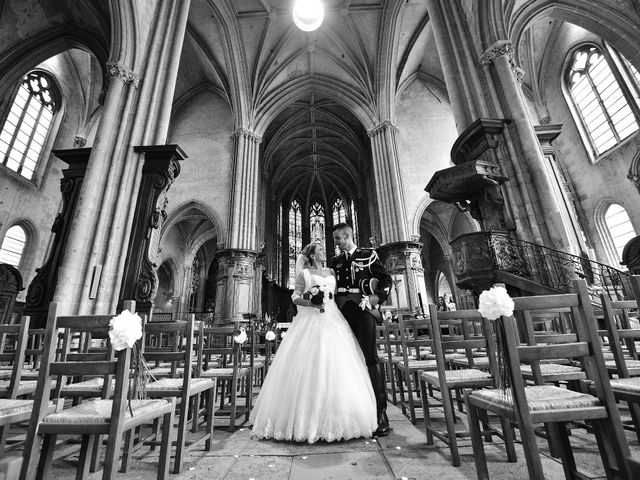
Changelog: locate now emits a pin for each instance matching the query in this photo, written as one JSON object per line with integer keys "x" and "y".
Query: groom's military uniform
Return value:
{"x": 357, "y": 276}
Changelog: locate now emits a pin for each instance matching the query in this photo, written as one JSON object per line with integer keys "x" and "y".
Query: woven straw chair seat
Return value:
{"x": 223, "y": 372}
{"x": 454, "y": 376}
{"x": 92, "y": 385}
{"x": 175, "y": 384}
{"x": 11, "y": 407}
{"x": 99, "y": 411}
{"x": 25, "y": 386}
{"x": 165, "y": 371}
{"x": 420, "y": 364}
{"x": 552, "y": 369}
{"x": 541, "y": 397}
{"x": 477, "y": 361}
{"x": 626, "y": 384}
{"x": 632, "y": 365}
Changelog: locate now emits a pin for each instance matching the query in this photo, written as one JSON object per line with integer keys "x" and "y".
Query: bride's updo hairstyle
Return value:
{"x": 307, "y": 251}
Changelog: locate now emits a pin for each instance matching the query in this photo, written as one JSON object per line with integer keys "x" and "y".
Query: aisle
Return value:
{"x": 403, "y": 454}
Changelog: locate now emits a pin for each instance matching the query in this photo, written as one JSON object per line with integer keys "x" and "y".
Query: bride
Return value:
{"x": 318, "y": 387}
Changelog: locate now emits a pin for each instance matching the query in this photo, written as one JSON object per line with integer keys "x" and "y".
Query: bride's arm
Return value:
{"x": 299, "y": 290}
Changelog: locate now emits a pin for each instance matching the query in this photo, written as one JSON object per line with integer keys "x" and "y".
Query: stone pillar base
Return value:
{"x": 236, "y": 288}
{"x": 403, "y": 262}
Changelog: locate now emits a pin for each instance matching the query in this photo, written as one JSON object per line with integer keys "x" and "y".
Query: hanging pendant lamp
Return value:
{"x": 308, "y": 14}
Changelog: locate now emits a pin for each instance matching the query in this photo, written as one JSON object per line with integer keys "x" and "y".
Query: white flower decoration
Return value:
{"x": 125, "y": 329}
{"x": 282, "y": 335}
{"x": 240, "y": 337}
{"x": 495, "y": 302}
{"x": 270, "y": 336}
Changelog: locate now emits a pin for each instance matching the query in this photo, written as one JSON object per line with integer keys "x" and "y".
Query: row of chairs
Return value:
{"x": 543, "y": 371}
{"x": 91, "y": 387}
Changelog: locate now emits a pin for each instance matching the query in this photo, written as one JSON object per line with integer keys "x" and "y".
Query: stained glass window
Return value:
{"x": 28, "y": 123}
{"x": 295, "y": 239}
{"x": 317, "y": 225}
{"x": 339, "y": 216}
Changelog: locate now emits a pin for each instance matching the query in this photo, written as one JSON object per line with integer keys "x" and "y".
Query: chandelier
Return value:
{"x": 308, "y": 14}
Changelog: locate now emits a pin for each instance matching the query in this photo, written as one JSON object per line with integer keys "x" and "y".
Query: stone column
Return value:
{"x": 140, "y": 281}
{"x": 42, "y": 287}
{"x": 236, "y": 285}
{"x": 243, "y": 220}
{"x": 135, "y": 113}
{"x": 499, "y": 58}
{"x": 403, "y": 262}
{"x": 388, "y": 183}
{"x": 236, "y": 264}
{"x": 465, "y": 85}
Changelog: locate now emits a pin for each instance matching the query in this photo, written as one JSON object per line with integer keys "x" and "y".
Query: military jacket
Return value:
{"x": 354, "y": 275}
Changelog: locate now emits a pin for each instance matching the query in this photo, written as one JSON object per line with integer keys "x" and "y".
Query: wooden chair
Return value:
{"x": 447, "y": 380}
{"x": 550, "y": 404}
{"x": 387, "y": 339}
{"x": 222, "y": 359}
{"x": 111, "y": 417}
{"x": 13, "y": 410}
{"x": 415, "y": 344}
{"x": 626, "y": 387}
{"x": 186, "y": 388}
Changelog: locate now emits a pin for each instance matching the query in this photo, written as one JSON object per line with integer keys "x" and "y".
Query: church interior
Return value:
{"x": 181, "y": 153}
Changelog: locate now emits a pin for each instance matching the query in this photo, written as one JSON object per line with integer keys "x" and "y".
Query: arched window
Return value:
{"x": 619, "y": 227}
{"x": 604, "y": 92}
{"x": 354, "y": 221}
{"x": 317, "y": 223}
{"x": 27, "y": 126}
{"x": 295, "y": 239}
{"x": 13, "y": 246}
{"x": 339, "y": 214}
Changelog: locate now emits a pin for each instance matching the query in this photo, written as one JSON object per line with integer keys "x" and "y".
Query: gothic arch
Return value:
{"x": 330, "y": 87}
{"x": 179, "y": 212}
{"x": 608, "y": 23}
{"x": 32, "y": 51}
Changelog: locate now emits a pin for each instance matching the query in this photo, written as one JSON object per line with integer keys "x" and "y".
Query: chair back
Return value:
{"x": 219, "y": 349}
{"x": 173, "y": 344}
{"x": 13, "y": 340}
{"x": 466, "y": 331}
{"x": 583, "y": 347}
{"x": 415, "y": 338}
{"x": 72, "y": 364}
{"x": 617, "y": 317}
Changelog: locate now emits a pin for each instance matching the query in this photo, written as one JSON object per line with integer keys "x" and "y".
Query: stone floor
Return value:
{"x": 402, "y": 455}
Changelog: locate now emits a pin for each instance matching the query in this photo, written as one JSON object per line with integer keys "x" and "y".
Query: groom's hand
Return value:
{"x": 374, "y": 300}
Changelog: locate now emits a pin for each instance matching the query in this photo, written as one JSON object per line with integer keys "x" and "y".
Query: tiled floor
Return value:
{"x": 403, "y": 454}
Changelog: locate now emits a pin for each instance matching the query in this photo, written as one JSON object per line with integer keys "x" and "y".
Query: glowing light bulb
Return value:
{"x": 308, "y": 14}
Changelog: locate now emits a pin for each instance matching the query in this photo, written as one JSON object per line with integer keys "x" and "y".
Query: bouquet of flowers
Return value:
{"x": 318, "y": 295}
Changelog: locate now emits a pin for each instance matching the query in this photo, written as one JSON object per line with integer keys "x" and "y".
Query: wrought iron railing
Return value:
{"x": 555, "y": 269}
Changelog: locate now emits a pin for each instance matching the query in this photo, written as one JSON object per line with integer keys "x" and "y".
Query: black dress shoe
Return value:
{"x": 383, "y": 425}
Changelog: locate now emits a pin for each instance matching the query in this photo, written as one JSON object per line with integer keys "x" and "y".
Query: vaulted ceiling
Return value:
{"x": 311, "y": 96}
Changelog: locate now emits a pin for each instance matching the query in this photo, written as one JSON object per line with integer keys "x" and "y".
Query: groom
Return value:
{"x": 361, "y": 276}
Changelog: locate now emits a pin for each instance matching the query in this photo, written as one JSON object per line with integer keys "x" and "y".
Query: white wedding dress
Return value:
{"x": 318, "y": 386}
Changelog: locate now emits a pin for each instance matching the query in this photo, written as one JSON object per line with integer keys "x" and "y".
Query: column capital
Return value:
{"x": 124, "y": 73}
{"x": 381, "y": 127}
{"x": 241, "y": 131}
{"x": 502, "y": 48}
